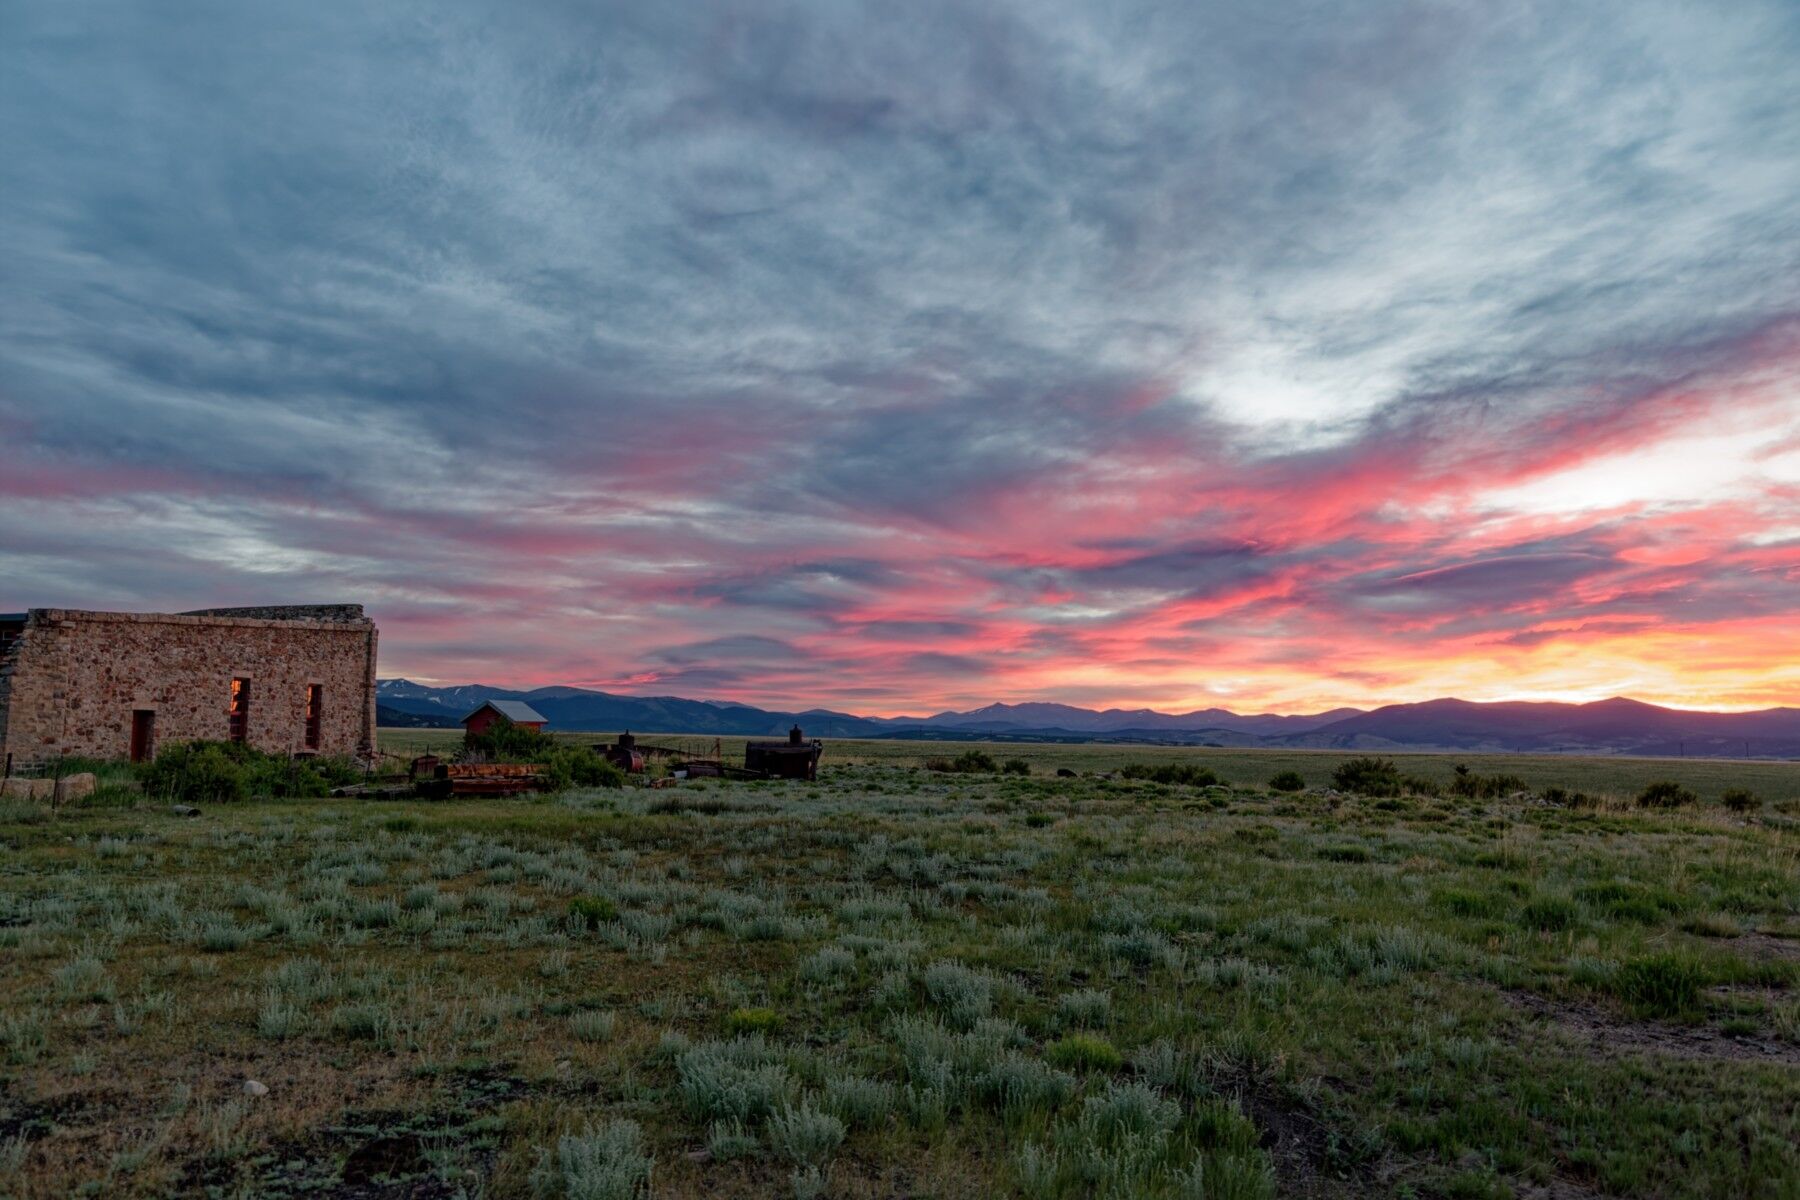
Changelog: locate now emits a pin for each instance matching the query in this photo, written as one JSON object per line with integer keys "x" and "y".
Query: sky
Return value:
{"x": 895, "y": 357}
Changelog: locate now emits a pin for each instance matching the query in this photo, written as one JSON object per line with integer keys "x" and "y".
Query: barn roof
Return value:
{"x": 516, "y": 711}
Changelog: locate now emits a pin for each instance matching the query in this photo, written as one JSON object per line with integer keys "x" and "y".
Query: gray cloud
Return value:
{"x": 735, "y": 325}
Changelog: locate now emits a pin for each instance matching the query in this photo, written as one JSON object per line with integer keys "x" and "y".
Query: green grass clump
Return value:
{"x": 1549, "y": 914}
{"x": 1661, "y": 985}
{"x": 752, "y": 1020}
{"x": 1287, "y": 781}
{"x": 1083, "y": 1052}
{"x": 591, "y": 912}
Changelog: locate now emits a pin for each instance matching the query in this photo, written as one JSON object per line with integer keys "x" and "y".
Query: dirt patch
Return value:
{"x": 1309, "y": 1157}
{"x": 381, "y": 1154}
{"x": 29, "y": 1120}
{"x": 1556, "y": 1189}
{"x": 1609, "y": 1035}
{"x": 1763, "y": 945}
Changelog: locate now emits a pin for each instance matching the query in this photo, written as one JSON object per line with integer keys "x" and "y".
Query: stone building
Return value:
{"x": 294, "y": 679}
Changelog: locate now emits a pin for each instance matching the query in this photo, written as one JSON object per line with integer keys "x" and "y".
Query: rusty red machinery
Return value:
{"x": 482, "y": 779}
{"x": 624, "y": 754}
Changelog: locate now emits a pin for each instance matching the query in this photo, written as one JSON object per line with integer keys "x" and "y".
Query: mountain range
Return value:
{"x": 1616, "y": 726}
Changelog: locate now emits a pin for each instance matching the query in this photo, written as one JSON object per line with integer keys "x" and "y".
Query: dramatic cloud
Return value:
{"x": 902, "y": 357}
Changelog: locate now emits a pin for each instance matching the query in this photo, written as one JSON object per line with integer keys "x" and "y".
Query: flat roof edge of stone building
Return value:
{"x": 311, "y": 616}
{"x": 347, "y": 613}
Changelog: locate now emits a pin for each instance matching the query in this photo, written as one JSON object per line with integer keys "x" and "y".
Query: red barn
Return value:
{"x": 513, "y": 712}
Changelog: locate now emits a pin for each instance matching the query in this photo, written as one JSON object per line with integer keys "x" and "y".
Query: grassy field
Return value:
{"x": 896, "y": 982}
{"x": 1610, "y": 777}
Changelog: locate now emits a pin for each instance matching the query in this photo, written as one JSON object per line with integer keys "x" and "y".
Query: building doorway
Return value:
{"x": 315, "y": 703}
{"x": 143, "y": 735}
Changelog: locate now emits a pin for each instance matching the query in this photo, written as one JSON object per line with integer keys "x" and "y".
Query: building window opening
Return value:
{"x": 240, "y": 710}
{"x": 315, "y": 696}
{"x": 143, "y": 735}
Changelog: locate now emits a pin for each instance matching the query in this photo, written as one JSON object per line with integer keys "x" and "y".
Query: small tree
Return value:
{"x": 1741, "y": 800}
{"x": 1287, "y": 781}
{"x": 1665, "y": 793}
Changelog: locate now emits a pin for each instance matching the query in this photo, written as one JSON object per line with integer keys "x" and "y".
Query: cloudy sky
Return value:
{"x": 897, "y": 356}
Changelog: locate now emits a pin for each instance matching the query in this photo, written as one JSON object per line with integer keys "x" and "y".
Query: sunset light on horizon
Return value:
{"x": 900, "y": 359}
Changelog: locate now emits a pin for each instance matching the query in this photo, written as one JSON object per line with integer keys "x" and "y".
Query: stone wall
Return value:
{"x": 72, "y": 681}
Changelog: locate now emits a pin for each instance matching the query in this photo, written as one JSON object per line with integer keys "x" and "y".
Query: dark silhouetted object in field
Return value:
{"x": 625, "y": 755}
{"x": 795, "y": 758}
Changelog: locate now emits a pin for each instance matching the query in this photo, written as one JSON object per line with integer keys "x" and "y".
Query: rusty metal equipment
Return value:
{"x": 483, "y": 779}
{"x": 795, "y": 758}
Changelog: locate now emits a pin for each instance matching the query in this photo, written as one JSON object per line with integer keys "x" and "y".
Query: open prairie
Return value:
{"x": 901, "y": 982}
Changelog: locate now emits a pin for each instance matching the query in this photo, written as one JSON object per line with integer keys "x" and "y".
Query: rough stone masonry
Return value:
{"x": 290, "y": 679}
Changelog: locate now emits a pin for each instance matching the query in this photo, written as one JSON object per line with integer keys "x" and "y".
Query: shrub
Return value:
{"x": 727, "y": 1140}
{"x": 964, "y": 994}
{"x": 1183, "y": 774}
{"x": 205, "y": 772}
{"x": 196, "y": 773}
{"x": 1083, "y": 1052}
{"x": 804, "y": 1135}
{"x": 578, "y": 766}
{"x": 1089, "y": 1006}
{"x": 1367, "y": 777}
{"x": 1233, "y": 1175}
{"x": 969, "y": 762}
{"x": 593, "y": 1024}
{"x": 606, "y": 1162}
{"x": 858, "y": 1101}
{"x": 83, "y": 978}
{"x": 1741, "y": 800}
{"x": 1287, "y": 781}
{"x": 1015, "y": 766}
{"x": 1665, "y": 793}
{"x": 1484, "y": 787}
{"x": 1127, "y": 1110}
{"x": 733, "y": 1081}
{"x": 278, "y": 1018}
{"x": 829, "y": 964}
{"x": 1018, "y": 1084}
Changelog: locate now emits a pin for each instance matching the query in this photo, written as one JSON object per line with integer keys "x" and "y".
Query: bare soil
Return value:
{"x": 1608, "y": 1034}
